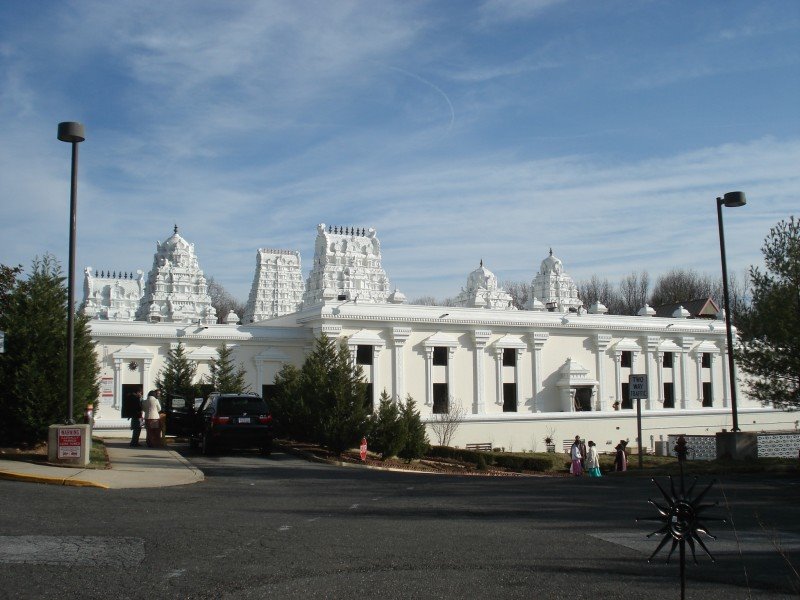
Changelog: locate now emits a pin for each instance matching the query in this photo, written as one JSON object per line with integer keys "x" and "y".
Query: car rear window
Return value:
{"x": 230, "y": 407}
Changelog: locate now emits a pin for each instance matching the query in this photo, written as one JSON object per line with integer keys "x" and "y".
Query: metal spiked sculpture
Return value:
{"x": 681, "y": 517}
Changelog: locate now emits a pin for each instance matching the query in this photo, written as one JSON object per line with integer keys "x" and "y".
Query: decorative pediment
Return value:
{"x": 627, "y": 345}
{"x": 133, "y": 351}
{"x": 271, "y": 355}
{"x": 204, "y": 353}
{"x": 365, "y": 338}
{"x": 510, "y": 341}
{"x": 669, "y": 346}
{"x": 441, "y": 339}
{"x": 706, "y": 347}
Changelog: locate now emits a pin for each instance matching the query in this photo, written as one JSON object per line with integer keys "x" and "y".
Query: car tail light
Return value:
{"x": 267, "y": 419}
{"x": 220, "y": 420}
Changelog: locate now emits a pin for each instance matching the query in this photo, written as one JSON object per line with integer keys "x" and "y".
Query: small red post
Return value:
{"x": 363, "y": 448}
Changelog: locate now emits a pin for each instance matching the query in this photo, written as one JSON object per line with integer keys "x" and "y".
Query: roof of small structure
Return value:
{"x": 700, "y": 308}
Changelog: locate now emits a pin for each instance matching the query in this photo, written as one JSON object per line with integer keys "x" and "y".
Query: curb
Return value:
{"x": 199, "y": 475}
{"x": 50, "y": 480}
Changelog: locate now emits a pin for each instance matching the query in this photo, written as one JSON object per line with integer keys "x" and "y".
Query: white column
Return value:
{"x": 375, "y": 376}
{"x": 146, "y": 364}
{"x": 660, "y": 375}
{"x": 399, "y": 337}
{"x": 518, "y": 377}
{"x": 498, "y": 361}
{"x": 650, "y": 348}
{"x": 481, "y": 338}
{"x": 429, "y": 375}
{"x": 698, "y": 360}
{"x": 538, "y": 339}
{"x": 601, "y": 340}
{"x": 711, "y": 375}
{"x": 451, "y": 353}
{"x": 617, "y": 356}
{"x": 686, "y": 344}
{"x": 725, "y": 376}
{"x": 118, "y": 383}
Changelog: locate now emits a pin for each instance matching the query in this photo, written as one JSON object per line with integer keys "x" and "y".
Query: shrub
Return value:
{"x": 387, "y": 429}
{"x": 416, "y": 443}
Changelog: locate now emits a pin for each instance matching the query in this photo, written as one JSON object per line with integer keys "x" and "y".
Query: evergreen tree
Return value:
{"x": 416, "y": 442}
{"x": 333, "y": 390}
{"x": 33, "y": 369}
{"x": 292, "y": 415}
{"x": 177, "y": 376}
{"x": 387, "y": 428}
{"x": 225, "y": 376}
{"x": 770, "y": 327}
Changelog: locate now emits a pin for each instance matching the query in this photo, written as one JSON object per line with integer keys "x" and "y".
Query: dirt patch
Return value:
{"x": 35, "y": 453}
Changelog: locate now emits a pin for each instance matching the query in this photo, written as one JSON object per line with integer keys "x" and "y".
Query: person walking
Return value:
{"x": 152, "y": 419}
{"x": 135, "y": 408}
{"x": 620, "y": 460}
{"x": 576, "y": 466}
{"x": 592, "y": 461}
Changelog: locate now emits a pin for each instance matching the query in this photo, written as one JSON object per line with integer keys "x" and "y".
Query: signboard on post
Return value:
{"x": 637, "y": 387}
{"x": 637, "y": 390}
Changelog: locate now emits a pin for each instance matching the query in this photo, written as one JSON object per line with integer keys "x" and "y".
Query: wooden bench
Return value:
{"x": 486, "y": 446}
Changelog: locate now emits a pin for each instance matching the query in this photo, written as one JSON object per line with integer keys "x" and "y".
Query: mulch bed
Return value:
{"x": 425, "y": 465}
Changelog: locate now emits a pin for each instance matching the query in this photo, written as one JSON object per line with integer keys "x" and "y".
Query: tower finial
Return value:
{"x": 481, "y": 263}
{"x": 551, "y": 251}
{"x": 175, "y": 230}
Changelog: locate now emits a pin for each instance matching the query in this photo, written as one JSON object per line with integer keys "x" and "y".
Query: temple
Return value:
{"x": 554, "y": 369}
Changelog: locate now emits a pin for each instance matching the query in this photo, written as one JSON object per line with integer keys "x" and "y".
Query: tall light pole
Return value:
{"x": 71, "y": 132}
{"x": 731, "y": 200}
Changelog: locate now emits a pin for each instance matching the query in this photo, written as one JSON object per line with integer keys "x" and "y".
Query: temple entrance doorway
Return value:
{"x": 583, "y": 398}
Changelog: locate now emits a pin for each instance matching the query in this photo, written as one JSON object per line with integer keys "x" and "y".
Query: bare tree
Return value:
{"x": 634, "y": 291}
{"x": 222, "y": 301}
{"x": 445, "y": 425}
{"x": 519, "y": 292}
{"x": 681, "y": 285}
{"x": 425, "y": 301}
{"x": 603, "y": 291}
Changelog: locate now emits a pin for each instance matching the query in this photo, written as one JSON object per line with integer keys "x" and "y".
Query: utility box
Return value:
{"x": 662, "y": 448}
{"x": 69, "y": 444}
{"x": 737, "y": 445}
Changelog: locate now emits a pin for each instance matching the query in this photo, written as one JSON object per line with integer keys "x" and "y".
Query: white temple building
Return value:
{"x": 553, "y": 370}
{"x": 277, "y": 285}
{"x": 110, "y": 296}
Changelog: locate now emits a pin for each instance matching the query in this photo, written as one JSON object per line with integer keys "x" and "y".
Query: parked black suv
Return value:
{"x": 224, "y": 420}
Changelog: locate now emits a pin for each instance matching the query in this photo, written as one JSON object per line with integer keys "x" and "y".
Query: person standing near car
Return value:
{"x": 152, "y": 418}
{"x": 135, "y": 406}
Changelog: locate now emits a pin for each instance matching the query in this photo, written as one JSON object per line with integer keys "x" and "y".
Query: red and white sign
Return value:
{"x": 70, "y": 440}
{"x": 363, "y": 449}
{"x": 107, "y": 387}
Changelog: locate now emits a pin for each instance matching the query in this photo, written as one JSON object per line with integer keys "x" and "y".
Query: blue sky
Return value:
{"x": 460, "y": 130}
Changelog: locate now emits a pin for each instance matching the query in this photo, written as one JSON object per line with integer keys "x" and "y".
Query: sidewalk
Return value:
{"x": 140, "y": 467}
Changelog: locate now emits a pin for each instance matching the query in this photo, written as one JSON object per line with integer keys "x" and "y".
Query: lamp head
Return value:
{"x": 734, "y": 199}
{"x": 70, "y": 131}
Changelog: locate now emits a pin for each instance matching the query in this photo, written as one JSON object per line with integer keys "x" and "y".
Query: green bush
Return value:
{"x": 416, "y": 443}
{"x": 387, "y": 429}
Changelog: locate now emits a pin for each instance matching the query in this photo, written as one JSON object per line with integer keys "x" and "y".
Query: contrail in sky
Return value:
{"x": 434, "y": 86}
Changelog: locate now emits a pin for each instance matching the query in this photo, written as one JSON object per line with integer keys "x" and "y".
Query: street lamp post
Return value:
{"x": 71, "y": 132}
{"x": 731, "y": 200}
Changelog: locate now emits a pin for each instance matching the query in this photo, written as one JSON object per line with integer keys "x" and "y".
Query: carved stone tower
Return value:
{"x": 277, "y": 285}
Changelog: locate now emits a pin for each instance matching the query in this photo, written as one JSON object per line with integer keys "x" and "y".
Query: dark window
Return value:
{"x": 668, "y": 358}
{"x": 708, "y": 400}
{"x": 669, "y": 395}
{"x": 440, "y": 356}
{"x": 268, "y": 391}
{"x": 509, "y": 397}
{"x": 440, "y": 404}
{"x": 239, "y": 405}
{"x": 706, "y": 360}
{"x": 626, "y": 400}
{"x": 509, "y": 357}
{"x": 368, "y": 397}
{"x": 363, "y": 355}
{"x": 627, "y": 358}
